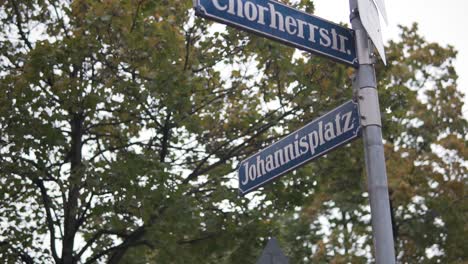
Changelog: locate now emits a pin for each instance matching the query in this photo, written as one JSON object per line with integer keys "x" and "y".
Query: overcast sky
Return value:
{"x": 445, "y": 22}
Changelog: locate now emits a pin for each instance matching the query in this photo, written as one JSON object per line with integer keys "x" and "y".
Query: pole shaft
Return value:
{"x": 373, "y": 147}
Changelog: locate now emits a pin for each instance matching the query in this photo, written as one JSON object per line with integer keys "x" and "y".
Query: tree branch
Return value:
{"x": 60, "y": 19}
{"x": 96, "y": 236}
{"x": 196, "y": 240}
{"x": 166, "y": 138}
{"x": 119, "y": 250}
{"x": 200, "y": 170}
{"x": 19, "y": 22}
{"x": 82, "y": 216}
{"x": 135, "y": 17}
{"x": 49, "y": 220}
{"x": 18, "y": 252}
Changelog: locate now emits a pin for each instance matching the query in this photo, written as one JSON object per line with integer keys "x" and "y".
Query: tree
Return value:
{"x": 122, "y": 123}
{"x": 426, "y": 151}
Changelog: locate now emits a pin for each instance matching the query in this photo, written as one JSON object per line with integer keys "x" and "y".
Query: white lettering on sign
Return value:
{"x": 290, "y": 25}
{"x": 300, "y": 146}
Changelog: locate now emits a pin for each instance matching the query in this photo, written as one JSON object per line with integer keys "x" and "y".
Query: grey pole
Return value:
{"x": 366, "y": 88}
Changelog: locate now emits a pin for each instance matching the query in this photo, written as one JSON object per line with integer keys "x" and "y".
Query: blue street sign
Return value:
{"x": 288, "y": 25}
{"x": 320, "y": 136}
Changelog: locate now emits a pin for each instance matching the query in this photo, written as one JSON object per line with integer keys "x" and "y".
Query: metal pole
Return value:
{"x": 366, "y": 88}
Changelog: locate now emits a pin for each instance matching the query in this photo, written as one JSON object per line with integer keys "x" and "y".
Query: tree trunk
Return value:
{"x": 71, "y": 205}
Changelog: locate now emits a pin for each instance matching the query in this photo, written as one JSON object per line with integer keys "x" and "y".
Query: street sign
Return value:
{"x": 383, "y": 10}
{"x": 317, "y": 138}
{"x": 371, "y": 22}
{"x": 277, "y": 21}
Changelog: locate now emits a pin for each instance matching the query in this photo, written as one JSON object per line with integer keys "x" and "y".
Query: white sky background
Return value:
{"x": 444, "y": 22}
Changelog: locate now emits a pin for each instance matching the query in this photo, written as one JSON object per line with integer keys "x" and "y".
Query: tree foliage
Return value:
{"x": 122, "y": 123}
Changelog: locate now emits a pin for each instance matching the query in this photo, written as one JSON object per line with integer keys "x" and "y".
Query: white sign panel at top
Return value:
{"x": 383, "y": 11}
{"x": 371, "y": 22}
